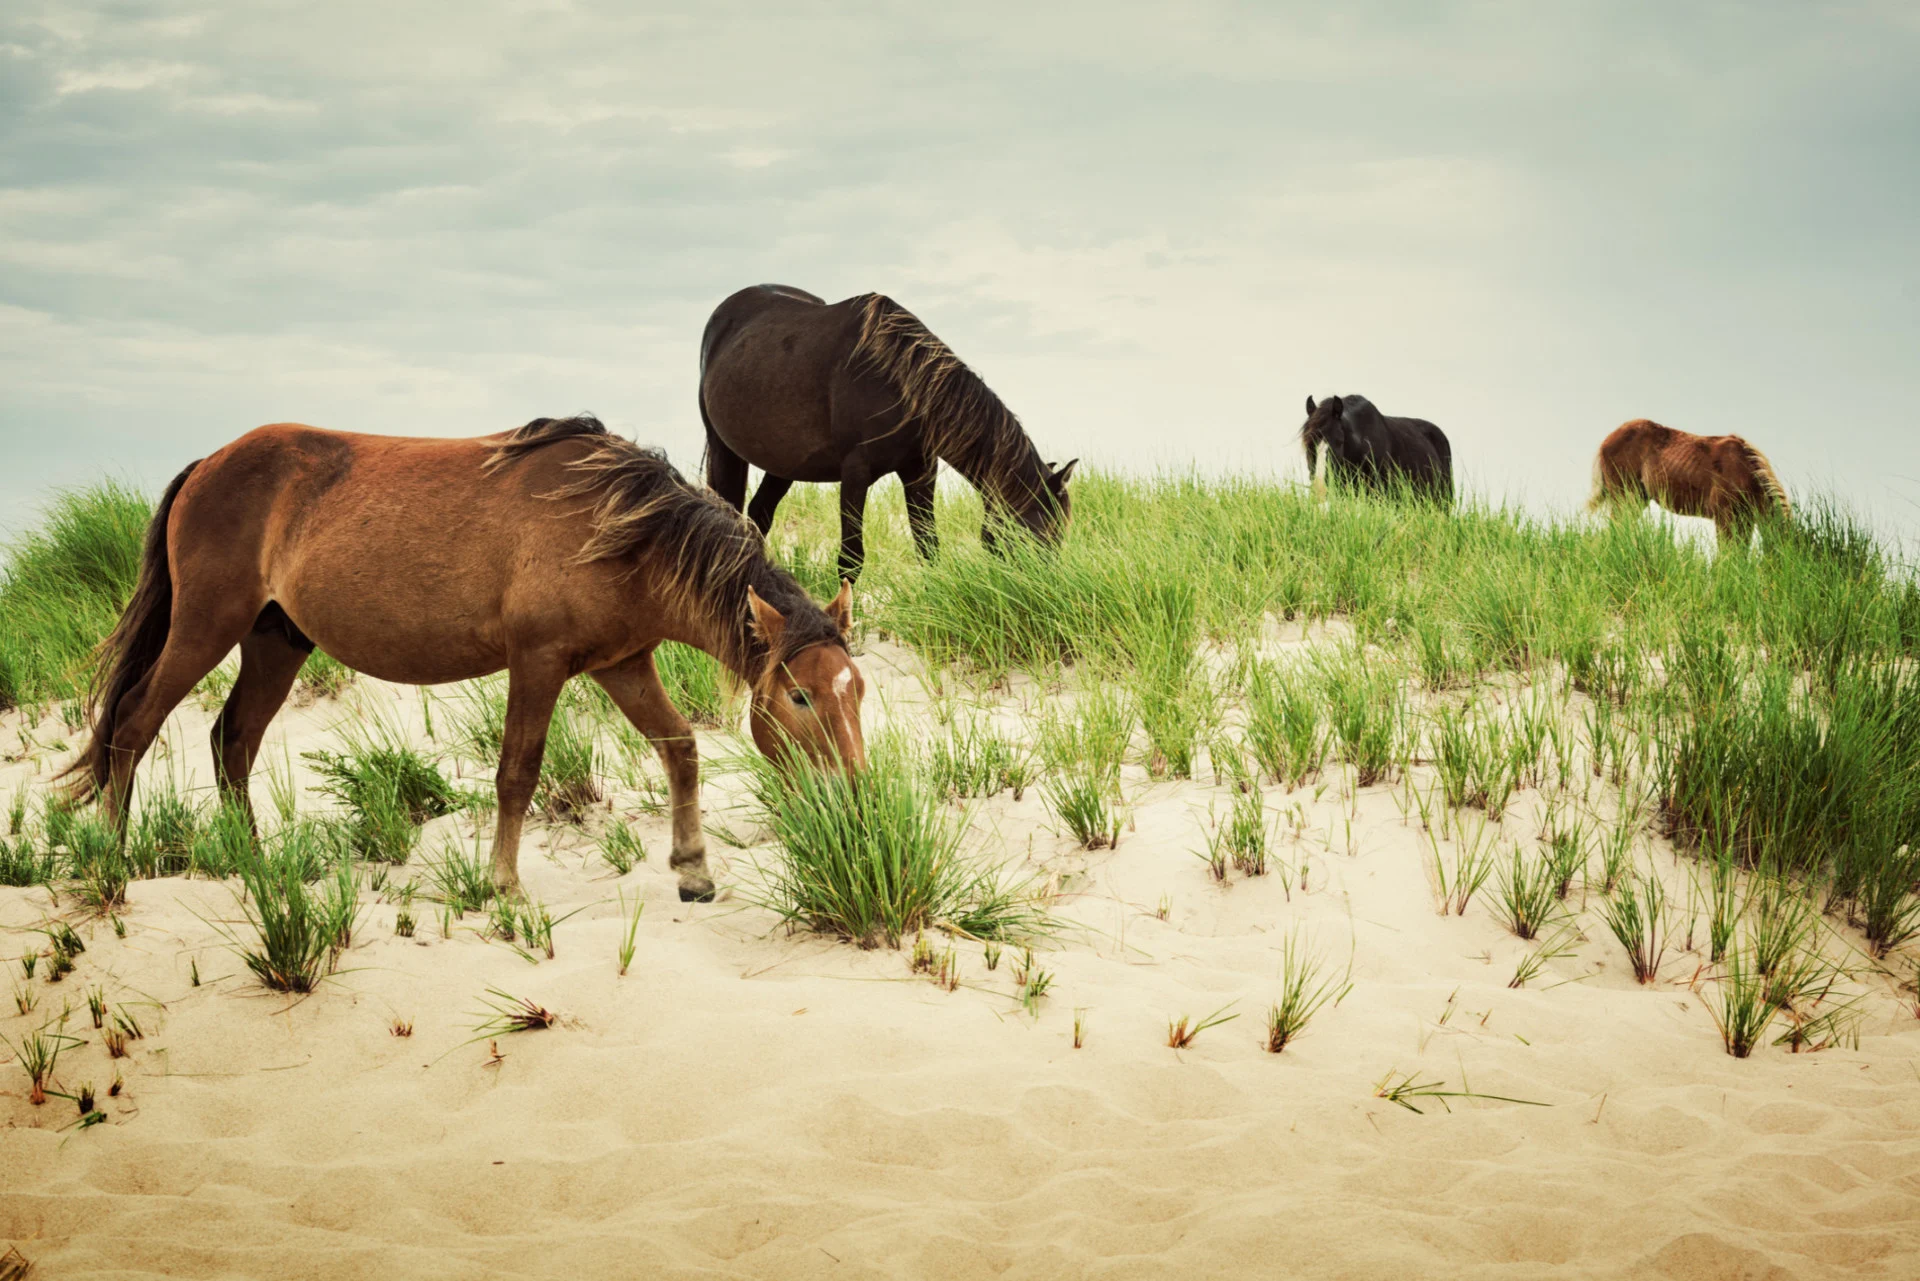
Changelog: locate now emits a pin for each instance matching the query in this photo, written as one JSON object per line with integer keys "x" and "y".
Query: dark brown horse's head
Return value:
{"x": 807, "y": 703}
{"x": 1045, "y": 511}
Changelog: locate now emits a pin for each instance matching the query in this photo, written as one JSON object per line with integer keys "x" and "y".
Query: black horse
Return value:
{"x": 1367, "y": 449}
{"x": 853, "y": 391}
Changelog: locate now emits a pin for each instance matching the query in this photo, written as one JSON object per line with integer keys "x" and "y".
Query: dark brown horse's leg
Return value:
{"x": 855, "y": 479}
{"x": 268, "y": 667}
{"x": 766, "y": 501}
{"x": 635, "y": 687}
{"x": 726, "y": 470}
{"x": 918, "y": 481}
{"x": 533, "y": 687}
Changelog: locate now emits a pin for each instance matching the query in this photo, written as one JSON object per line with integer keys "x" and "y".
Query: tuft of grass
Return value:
{"x": 506, "y": 1013}
{"x": 389, "y": 790}
{"x": 1743, "y": 1010}
{"x": 323, "y": 676}
{"x": 1527, "y": 889}
{"x": 1561, "y": 943}
{"x": 1365, "y": 707}
{"x": 1243, "y": 840}
{"x": 462, "y": 880}
{"x": 971, "y": 758}
{"x": 627, "y": 939}
{"x": 1079, "y": 1027}
{"x": 1456, "y": 882}
{"x": 1284, "y": 728}
{"x": 1306, "y": 986}
{"x": 1637, "y": 915}
{"x": 620, "y": 848}
{"x": 1403, "y": 1088}
{"x": 876, "y": 861}
{"x": 38, "y": 1053}
{"x": 1185, "y": 1030}
{"x": 299, "y": 930}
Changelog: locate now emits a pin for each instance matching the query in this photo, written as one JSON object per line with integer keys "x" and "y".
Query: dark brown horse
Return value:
{"x": 1370, "y": 450}
{"x": 1720, "y": 477}
{"x": 851, "y": 392}
{"x": 551, "y": 550}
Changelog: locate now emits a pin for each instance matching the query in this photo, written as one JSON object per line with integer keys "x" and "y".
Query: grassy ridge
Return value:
{"x": 1767, "y": 702}
{"x": 63, "y": 586}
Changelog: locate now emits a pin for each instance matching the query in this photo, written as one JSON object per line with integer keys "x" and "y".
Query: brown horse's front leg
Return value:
{"x": 532, "y": 690}
{"x": 635, "y": 686}
{"x": 917, "y": 478}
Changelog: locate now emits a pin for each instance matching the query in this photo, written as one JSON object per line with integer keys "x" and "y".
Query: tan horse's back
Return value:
{"x": 400, "y": 556}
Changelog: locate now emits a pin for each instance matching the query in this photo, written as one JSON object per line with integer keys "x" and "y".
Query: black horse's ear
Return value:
{"x": 1061, "y": 477}
{"x": 1309, "y": 406}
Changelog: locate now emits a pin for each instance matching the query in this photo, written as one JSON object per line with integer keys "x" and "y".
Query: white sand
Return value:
{"x": 747, "y": 1103}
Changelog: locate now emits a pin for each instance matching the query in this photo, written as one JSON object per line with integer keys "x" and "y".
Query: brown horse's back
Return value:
{"x": 366, "y": 541}
{"x": 1723, "y": 478}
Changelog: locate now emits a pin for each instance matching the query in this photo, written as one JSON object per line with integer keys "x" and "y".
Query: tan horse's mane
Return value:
{"x": 966, "y": 424}
{"x": 692, "y": 545}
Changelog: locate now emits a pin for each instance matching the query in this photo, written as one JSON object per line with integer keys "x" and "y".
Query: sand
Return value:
{"x": 750, "y": 1103}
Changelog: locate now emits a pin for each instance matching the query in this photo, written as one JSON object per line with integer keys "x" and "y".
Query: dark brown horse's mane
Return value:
{"x": 966, "y": 424}
{"x": 695, "y": 545}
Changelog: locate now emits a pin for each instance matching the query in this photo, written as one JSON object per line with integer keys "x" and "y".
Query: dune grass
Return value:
{"x": 879, "y": 861}
{"x": 1765, "y": 703}
{"x": 62, "y": 586}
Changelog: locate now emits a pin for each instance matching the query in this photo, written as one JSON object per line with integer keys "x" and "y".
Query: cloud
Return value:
{"x": 1154, "y": 227}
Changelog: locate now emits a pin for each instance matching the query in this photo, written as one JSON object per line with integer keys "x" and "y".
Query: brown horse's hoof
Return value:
{"x": 698, "y": 892}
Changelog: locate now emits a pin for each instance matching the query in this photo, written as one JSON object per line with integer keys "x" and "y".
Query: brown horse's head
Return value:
{"x": 807, "y": 703}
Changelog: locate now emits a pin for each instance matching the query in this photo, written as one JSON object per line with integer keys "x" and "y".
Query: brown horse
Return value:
{"x": 1720, "y": 477}
{"x": 551, "y": 550}
{"x": 853, "y": 391}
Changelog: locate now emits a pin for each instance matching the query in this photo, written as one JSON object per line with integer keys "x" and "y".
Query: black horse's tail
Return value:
{"x": 128, "y": 653}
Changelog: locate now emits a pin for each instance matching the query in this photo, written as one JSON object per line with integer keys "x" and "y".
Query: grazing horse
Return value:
{"x": 1364, "y": 447}
{"x": 1720, "y": 477}
{"x": 550, "y": 550}
{"x": 850, "y": 392}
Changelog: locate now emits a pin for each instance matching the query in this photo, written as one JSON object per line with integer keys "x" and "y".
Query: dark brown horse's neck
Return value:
{"x": 1005, "y": 468}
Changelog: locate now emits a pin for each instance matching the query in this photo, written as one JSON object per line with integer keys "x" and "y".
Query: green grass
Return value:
{"x": 299, "y": 928}
{"x": 1767, "y": 705}
{"x": 880, "y": 861}
{"x": 62, "y": 586}
{"x": 388, "y": 787}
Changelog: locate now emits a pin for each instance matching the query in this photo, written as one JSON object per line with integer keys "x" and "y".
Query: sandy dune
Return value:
{"x": 747, "y": 1103}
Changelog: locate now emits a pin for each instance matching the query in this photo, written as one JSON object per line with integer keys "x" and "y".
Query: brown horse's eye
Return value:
{"x": 800, "y": 699}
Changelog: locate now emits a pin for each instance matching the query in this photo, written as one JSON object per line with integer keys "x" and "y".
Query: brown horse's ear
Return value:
{"x": 840, "y": 609}
{"x": 1309, "y": 406}
{"x": 1065, "y": 474}
{"x": 768, "y": 622}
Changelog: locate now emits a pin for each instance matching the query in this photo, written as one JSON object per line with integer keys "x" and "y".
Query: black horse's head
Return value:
{"x": 1325, "y": 424}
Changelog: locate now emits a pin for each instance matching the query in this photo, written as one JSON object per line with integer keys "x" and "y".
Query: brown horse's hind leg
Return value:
{"x": 726, "y": 470}
{"x": 532, "y": 690}
{"x": 268, "y": 667}
{"x": 191, "y": 652}
{"x": 635, "y": 686}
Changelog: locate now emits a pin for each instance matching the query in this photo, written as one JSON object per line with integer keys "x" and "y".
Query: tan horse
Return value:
{"x": 552, "y": 550}
{"x": 1720, "y": 477}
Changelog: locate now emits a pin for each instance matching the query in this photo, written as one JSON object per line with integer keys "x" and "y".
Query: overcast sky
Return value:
{"x": 1154, "y": 229}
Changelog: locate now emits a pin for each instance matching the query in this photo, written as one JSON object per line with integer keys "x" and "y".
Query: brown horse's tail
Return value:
{"x": 128, "y": 653}
{"x": 1768, "y": 480}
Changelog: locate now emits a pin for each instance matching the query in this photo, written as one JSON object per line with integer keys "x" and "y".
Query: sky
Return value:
{"x": 1154, "y": 229}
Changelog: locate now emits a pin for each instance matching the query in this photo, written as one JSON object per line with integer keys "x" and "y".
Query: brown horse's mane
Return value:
{"x": 693, "y": 546}
{"x": 966, "y": 424}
